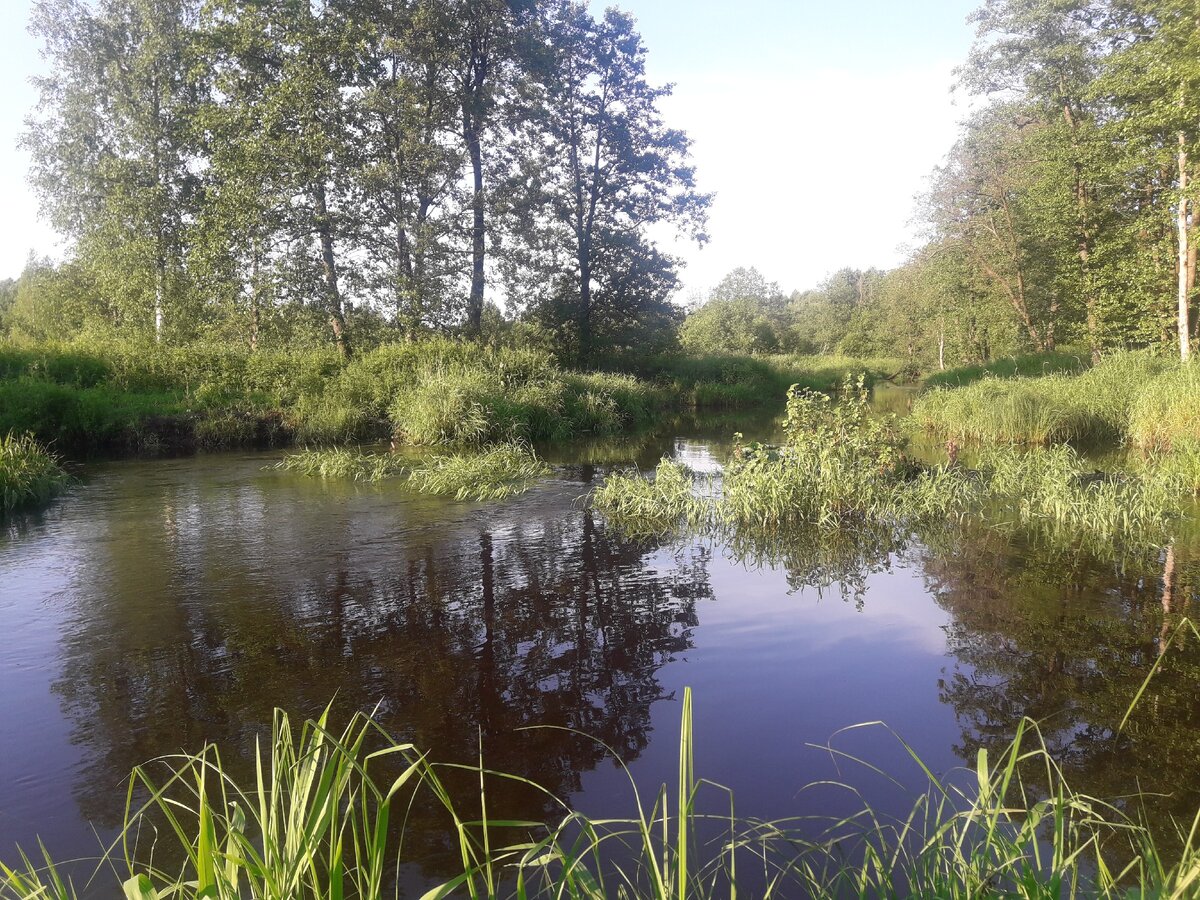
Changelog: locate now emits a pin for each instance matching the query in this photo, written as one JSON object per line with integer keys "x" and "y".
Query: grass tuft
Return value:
{"x": 496, "y": 473}
{"x": 344, "y": 463}
{"x": 29, "y": 474}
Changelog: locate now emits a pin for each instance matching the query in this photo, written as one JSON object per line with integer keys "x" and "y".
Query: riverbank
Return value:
{"x": 122, "y": 399}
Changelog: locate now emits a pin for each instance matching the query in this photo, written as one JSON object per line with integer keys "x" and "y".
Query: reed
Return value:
{"x": 495, "y": 473}
{"x": 29, "y": 474}
{"x": 322, "y": 818}
{"x": 649, "y": 506}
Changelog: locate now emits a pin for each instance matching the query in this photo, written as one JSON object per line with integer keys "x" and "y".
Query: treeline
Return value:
{"x": 1066, "y": 213}
{"x": 350, "y": 170}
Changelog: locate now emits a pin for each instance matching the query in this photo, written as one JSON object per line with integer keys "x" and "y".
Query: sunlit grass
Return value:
{"x": 29, "y": 474}
{"x": 344, "y": 462}
{"x": 322, "y": 817}
{"x": 494, "y": 473}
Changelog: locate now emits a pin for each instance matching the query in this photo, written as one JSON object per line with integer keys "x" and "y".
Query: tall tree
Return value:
{"x": 110, "y": 143}
{"x": 604, "y": 169}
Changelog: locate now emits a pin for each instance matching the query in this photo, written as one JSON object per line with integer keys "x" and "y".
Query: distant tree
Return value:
{"x": 748, "y": 284}
{"x": 730, "y": 326}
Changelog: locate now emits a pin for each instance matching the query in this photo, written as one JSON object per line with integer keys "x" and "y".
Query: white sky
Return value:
{"x": 816, "y": 124}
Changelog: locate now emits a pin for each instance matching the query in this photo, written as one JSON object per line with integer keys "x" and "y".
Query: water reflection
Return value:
{"x": 187, "y": 628}
{"x": 177, "y": 602}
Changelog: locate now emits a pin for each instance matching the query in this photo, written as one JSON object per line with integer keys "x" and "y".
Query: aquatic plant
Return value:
{"x": 494, "y": 473}
{"x": 344, "y": 463}
{"x": 650, "y": 506}
{"x": 322, "y": 818}
{"x": 29, "y": 474}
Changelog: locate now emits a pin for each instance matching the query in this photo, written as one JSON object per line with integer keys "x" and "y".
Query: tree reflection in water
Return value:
{"x": 463, "y": 634}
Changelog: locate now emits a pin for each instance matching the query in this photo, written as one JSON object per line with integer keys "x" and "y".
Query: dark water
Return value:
{"x": 168, "y": 603}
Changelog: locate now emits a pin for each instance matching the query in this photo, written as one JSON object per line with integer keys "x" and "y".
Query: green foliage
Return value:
{"x": 651, "y": 505}
{"x": 1024, "y": 366}
{"x": 494, "y": 473}
{"x": 344, "y": 463}
{"x": 740, "y": 326}
{"x": 28, "y": 473}
{"x": 1093, "y": 406}
{"x": 1166, "y": 413}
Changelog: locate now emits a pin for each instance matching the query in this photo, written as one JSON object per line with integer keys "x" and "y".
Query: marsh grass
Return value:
{"x": 1090, "y": 407}
{"x": 652, "y": 506}
{"x": 344, "y": 462}
{"x": 323, "y": 817}
{"x": 1166, "y": 413}
{"x": 494, "y": 473}
{"x": 29, "y": 474}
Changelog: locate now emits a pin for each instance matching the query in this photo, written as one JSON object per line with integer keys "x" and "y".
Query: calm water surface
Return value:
{"x": 168, "y": 603}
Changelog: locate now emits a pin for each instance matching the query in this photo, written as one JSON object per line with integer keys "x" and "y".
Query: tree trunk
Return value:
{"x": 333, "y": 295}
{"x": 941, "y": 347}
{"x": 478, "y": 247}
{"x": 1181, "y": 228}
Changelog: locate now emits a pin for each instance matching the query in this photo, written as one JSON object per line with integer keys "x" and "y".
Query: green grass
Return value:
{"x": 344, "y": 462}
{"x": 1166, "y": 413}
{"x": 1090, "y": 407}
{"x": 733, "y": 382}
{"x": 651, "y": 505}
{"x": 323, "y": 818}
{"x": 494, "y": 473}
{"x": 1031, "y": 365}
{"x": 29, "y": 474}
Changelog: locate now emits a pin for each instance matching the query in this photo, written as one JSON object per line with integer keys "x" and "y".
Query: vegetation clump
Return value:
{"x": 496, "y": 473}
{"x": 651, "y": 505}
{"x": 1095, "y": 405}
{"x": 344, "y": 463}
{"x": 29, "y": 474}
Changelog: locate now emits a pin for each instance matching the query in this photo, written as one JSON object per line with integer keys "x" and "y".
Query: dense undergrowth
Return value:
{"x": 324, "y": 819}
{"x": 28, "y": 473}
{"x": 118, "y": 398}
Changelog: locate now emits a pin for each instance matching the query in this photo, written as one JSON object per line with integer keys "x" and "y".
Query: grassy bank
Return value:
{"x": 28, "y": 473}
{"x": 1098, "y": 404}
{"x": 1031, "y": 365}
{"x": 121, "y": 398}
{"x": 325, "y": 819}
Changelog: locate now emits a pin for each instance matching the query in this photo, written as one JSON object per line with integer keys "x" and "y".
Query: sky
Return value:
{"x": 815, "y": 122}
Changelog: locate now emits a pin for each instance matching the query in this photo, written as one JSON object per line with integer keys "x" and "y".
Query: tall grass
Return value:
{"x": 344, "y": 462}
{"x": 651, "y": 505}
{"x": 1166, "y": 413}
{"x": 495, "y": 473}
{"x": 1093, "y": 406}
{"x": 1030, "y": 365}
{"x": 29, "y": 474}
{"x": 322, "y": 818}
